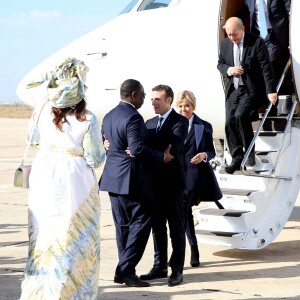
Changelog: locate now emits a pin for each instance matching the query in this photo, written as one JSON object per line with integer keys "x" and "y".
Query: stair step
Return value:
{"x": 223, "y": 212}
{"x": 269, "y": 133}
{"x": 250, "y": 170}
{"x": 218, "y": 233}
{"x": 263, "y": 153}
{"x": 237, "y": 192}
{"x": 281, "y": 116}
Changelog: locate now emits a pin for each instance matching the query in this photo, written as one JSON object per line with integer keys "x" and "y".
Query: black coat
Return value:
{"x": 173, "y": 132}
{"x": 124, "y": 127}
{"x": 258, "y": 77}
{"x": 201, "y": 182}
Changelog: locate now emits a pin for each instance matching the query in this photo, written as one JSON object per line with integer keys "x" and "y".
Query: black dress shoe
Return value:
{"x": 234, "y": 166}
{"x": 131, "y": 280}
{"x": 118, "y": 279}
{"x": 175, "y": 279}
{"x": 250, "y": 160}
{"x": 155, "y": 273}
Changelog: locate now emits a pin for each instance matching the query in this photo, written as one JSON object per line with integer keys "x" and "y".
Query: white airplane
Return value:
{"x": 176, "y": 42}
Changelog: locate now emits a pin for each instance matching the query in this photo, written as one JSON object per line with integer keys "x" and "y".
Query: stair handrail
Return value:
{"x": 257, "y": 132}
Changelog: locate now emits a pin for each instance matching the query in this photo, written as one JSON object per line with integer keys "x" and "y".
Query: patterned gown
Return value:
{"x": 64, "y": 210}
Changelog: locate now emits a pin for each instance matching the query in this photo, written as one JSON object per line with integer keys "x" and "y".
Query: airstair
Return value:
{"x": 258, "y": 200}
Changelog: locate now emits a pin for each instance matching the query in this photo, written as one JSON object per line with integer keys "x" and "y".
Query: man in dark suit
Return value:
{"x": 168, "y": 186}
{"x": 276, "y": 37}
{"x": 127, "y": 180}
{"x": 244, "y": 61}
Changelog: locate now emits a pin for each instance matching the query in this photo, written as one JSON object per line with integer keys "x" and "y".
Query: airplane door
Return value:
{"x": 228, "y": 8}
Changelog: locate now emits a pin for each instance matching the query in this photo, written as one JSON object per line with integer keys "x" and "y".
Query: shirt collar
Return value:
{"x": 191, "y": 120}
{"x": 128, "y": 103}
{"x": 165, "y": 116}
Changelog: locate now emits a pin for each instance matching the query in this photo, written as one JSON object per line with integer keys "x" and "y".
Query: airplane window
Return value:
{"x": 153, "y": 4}
{"x": 149, "y": 4}
{"x": 129, "y": 7}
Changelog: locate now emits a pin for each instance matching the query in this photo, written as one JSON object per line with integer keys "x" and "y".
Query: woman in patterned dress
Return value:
{"x": 64, "y": 205}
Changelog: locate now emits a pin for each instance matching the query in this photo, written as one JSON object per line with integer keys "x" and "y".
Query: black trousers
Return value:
{"x": 168, "y": 207}
{"x": 279, "y": 57}
{"x": 133, "y": 226}
{"x": 240, "y": 111}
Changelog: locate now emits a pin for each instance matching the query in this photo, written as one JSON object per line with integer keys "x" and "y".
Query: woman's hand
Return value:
{"x": 198, "y": 158}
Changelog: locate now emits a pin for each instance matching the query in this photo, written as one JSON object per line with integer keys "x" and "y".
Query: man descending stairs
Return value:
{"x": 258, "y": 199}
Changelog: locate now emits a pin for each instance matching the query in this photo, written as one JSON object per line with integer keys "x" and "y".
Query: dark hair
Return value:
{"x": 60, "y": 114}
{"x": 162, "y": 87}
{"x": 128, "y": 87}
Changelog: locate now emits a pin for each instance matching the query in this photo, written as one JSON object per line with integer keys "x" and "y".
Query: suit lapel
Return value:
{"x": 231, "y": 55}
{"x": 251, "y": 6}
{"x": 165, "y": 123}
{"x": 198, "y": 134}
{"x": 190, "y": 134}
{"x": 245, "y": 47}
{"x": 152, "y": 123}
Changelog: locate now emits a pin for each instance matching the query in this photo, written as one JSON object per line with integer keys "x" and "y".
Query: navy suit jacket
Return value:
{"x": 278, "y": 10}
{"x": 124, "y": 127}
{"x": 201, "y": 182}
{"x": 173, "y": 132}
{"x": 258, "y": 76}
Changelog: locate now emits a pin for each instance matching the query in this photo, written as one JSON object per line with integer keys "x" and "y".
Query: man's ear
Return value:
{"x": 169, "y": 100}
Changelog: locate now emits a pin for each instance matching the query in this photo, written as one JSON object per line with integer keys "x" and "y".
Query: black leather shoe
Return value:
{"x": 155, "y": 273}
{"x": 118, "y": 279}
{"x": 250, "y": 160}
{"x": 175, "y": 279}
{"x": 234, "y": 166}
{"x": 194, "y": 256}
{"x": 131, "y": 280}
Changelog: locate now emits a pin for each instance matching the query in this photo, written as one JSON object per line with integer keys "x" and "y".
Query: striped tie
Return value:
{"x": 159, "y": 123}
{"x": 237, "y": 63}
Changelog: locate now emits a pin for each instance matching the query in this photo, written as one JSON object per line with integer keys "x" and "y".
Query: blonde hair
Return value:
{"x": 186, "y": 95}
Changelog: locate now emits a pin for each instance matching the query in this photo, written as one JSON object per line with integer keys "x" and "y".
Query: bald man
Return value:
{"x": 244, "y": 61}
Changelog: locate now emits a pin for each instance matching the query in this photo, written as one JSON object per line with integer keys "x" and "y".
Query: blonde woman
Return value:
{"x": 201, "y": 183}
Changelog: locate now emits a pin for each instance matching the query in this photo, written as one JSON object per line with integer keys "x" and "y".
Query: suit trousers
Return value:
{"x": 168, "y": 207}
{"x": 133, "y": 227}
{"x": 238, "y": 128}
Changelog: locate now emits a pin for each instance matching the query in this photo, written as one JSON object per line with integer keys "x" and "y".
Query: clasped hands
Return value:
{"x": 236, "y": 71}
{"x": 167, "y": 155}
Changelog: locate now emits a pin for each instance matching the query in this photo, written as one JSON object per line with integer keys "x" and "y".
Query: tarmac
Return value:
{"x": 224, "y": 273}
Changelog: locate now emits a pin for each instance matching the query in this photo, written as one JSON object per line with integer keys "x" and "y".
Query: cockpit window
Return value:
{"x": 153, "y": 4}
{"x": 129, "y": 7}
{"x": 149, "y": 4}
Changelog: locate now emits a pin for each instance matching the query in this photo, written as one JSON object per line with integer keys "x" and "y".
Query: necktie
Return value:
{"x": 159, "y": 123}
{"x": 237, "y": 63}
{"x": 262, "y": 23}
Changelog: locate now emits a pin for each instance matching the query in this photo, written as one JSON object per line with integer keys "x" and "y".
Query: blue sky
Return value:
{"x": 30, "y": 31}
